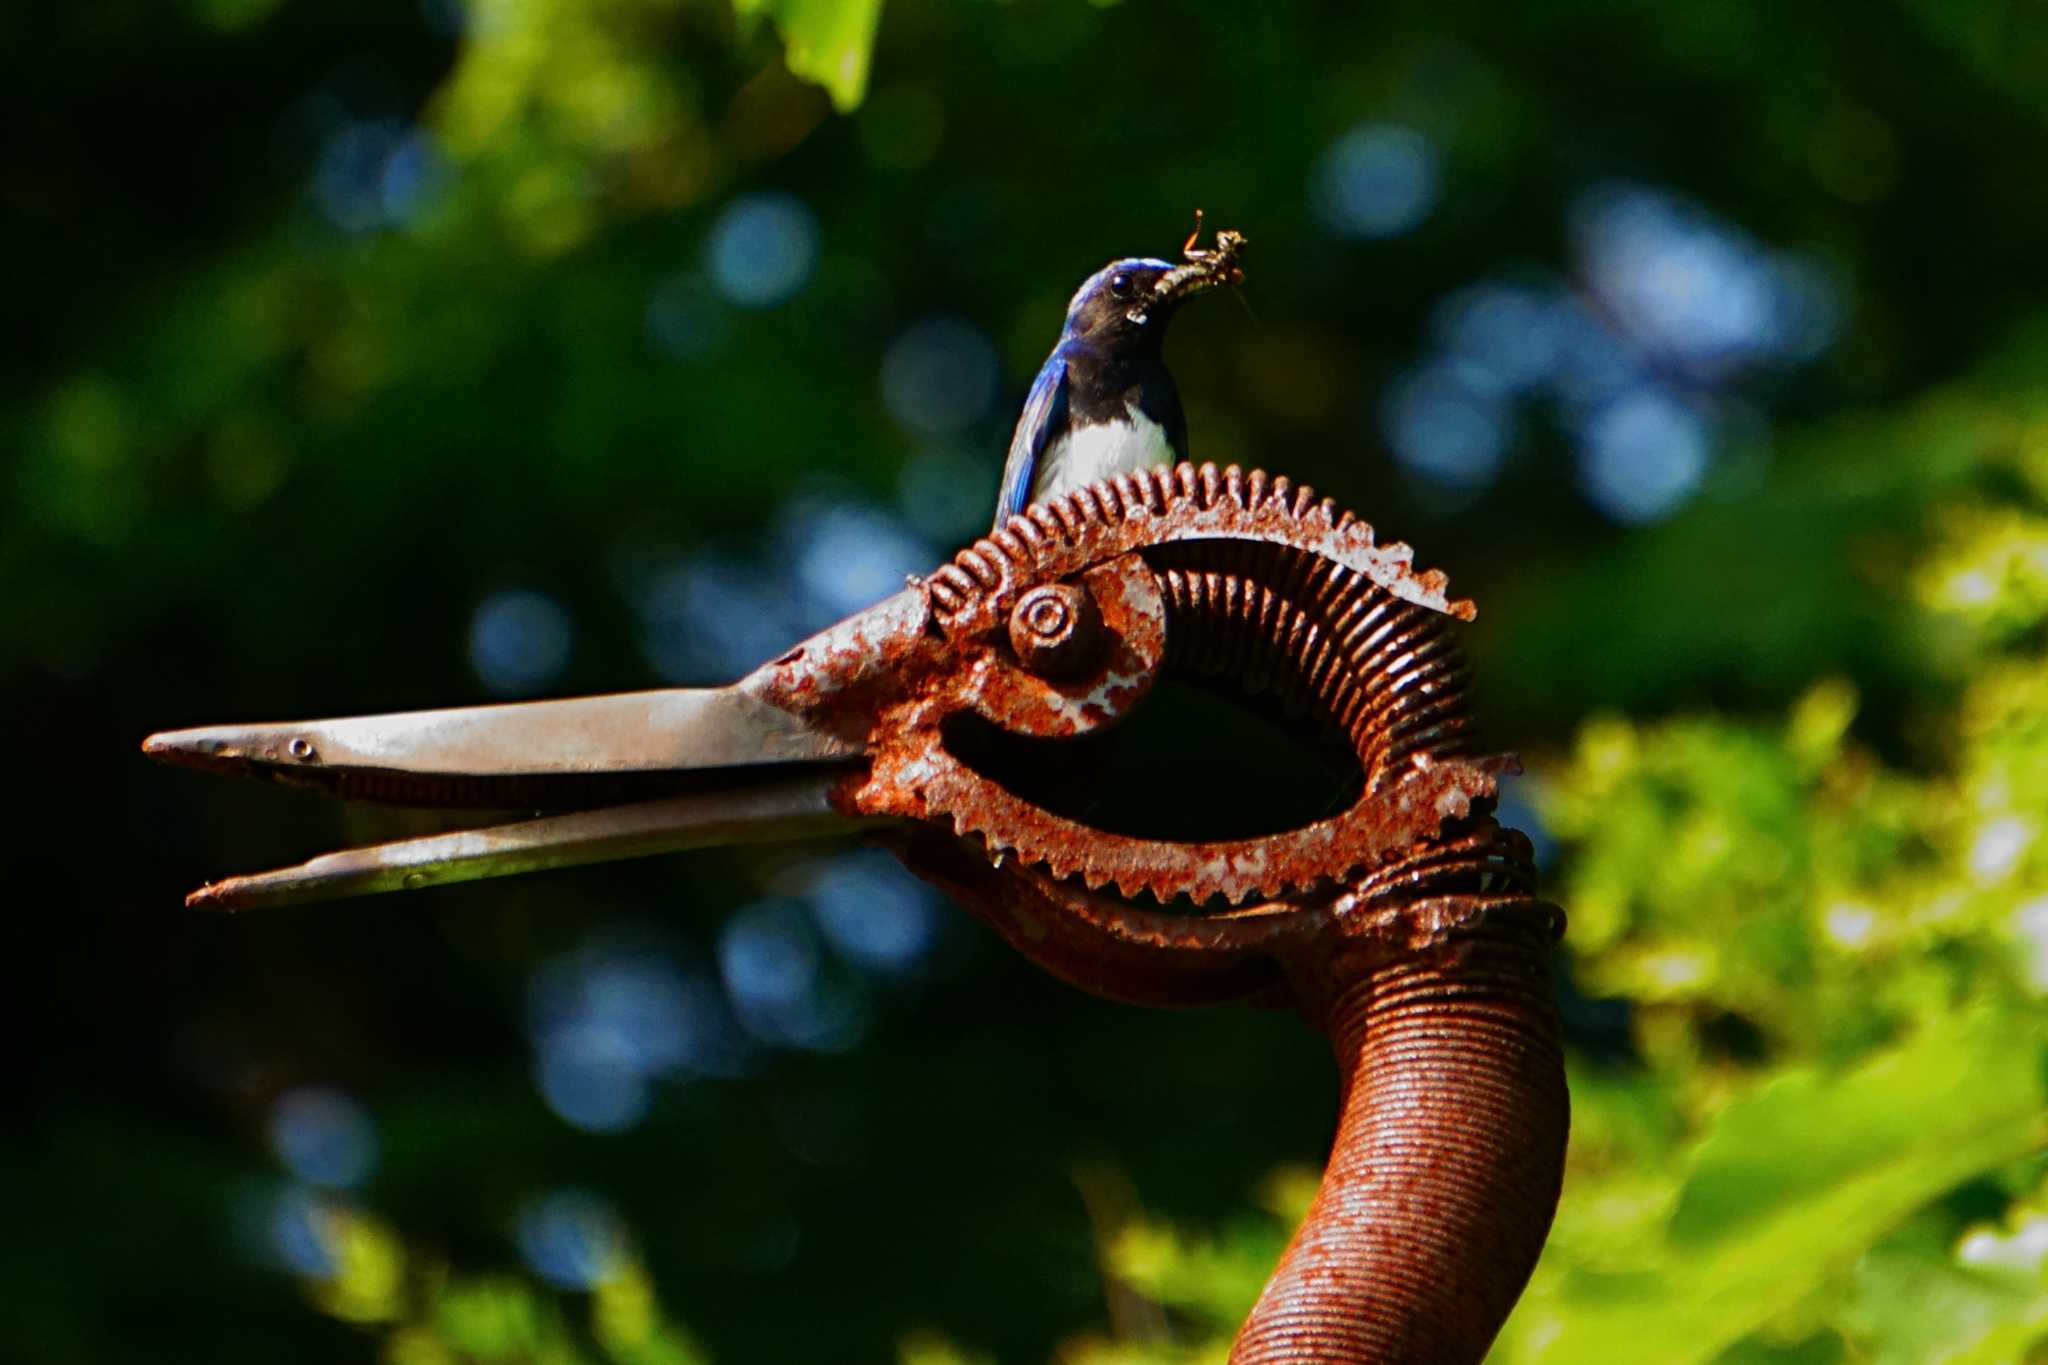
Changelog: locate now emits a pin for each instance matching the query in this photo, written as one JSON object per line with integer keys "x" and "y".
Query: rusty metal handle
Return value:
{"x": 1445, "y": 1172}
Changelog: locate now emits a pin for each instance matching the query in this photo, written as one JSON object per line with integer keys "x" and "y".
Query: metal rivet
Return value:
{"x": 415, "y": 880}
{"x": 1048, "y": 616}
{"x": 301, "y": 748}
{"x": 1055, "y": 629}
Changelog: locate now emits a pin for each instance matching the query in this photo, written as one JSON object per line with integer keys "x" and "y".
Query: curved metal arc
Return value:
{"x": 1131, "y": 512}
{"x": 1379, "y": 824}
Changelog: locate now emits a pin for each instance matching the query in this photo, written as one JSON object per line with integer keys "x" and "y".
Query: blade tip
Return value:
{"x": 214, "y": 897}
{"x": 186, "y": 748}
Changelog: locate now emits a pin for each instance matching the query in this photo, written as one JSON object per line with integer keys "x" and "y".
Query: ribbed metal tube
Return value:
{"x": 1445, "y": 1172}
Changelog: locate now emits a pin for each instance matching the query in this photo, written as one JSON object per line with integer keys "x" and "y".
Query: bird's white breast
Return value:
{"x": 1101, "y": 450}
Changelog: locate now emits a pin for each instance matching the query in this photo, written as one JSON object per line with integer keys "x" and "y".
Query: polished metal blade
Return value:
{"x": 792, "y": 808}
{"x": 461, "y": 756}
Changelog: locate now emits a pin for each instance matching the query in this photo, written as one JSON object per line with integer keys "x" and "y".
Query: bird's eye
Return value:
{"x": 1120, "y": 285}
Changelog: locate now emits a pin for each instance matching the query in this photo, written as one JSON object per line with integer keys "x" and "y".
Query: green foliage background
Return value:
{"x": 1791, "y": 743}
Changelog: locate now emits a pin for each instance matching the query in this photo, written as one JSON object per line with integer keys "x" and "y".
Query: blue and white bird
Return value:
{"x": 1104, "y": 403}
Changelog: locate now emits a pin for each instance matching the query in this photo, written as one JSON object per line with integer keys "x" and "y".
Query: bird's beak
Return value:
{"x": 616, "y": 776}
{"x": 1202, "y": 270}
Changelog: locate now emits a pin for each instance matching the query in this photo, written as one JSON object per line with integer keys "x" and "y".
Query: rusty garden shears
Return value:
{"x": 1405, "y": 925}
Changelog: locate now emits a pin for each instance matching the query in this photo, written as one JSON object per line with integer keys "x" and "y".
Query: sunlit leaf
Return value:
{"x": 827, "y": 41}
{"x": 1792, "y": 1183}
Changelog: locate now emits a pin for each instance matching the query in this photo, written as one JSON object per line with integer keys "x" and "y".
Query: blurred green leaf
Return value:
{"x": 828, "y": 41}
{"x": 1916, "y": 1297}
{"x": 1795, "y": 1181}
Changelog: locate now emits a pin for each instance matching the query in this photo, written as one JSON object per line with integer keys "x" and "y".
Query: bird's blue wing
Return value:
{"x": 1043, "y": 419}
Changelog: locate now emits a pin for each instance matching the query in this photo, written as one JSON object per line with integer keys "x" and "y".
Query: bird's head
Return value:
{"x": 1131, "y": 300}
